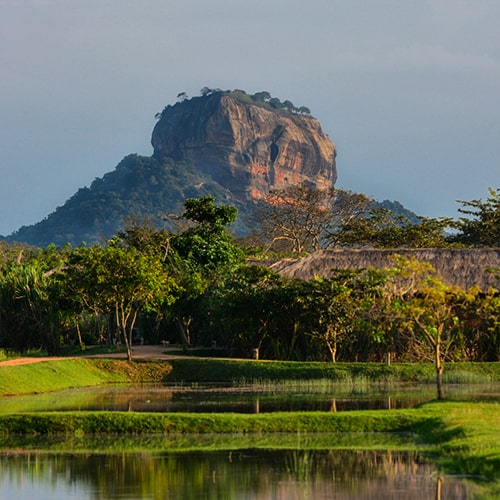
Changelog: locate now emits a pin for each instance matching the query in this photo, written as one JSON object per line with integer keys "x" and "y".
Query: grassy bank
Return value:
{"x": 89, "y": 372}
{"x": 71, "y": 373}
{"x": 220, "y": 370}
{"x": 462, "y": 438}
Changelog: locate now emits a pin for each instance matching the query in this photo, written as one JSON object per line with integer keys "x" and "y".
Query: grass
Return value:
{"x": 64, "y": 374}
{"x": 226, "y": 423}
{"x": 221, "y": 370}
{"x": 188, "y": 442}
{"x": 462, "y": 438}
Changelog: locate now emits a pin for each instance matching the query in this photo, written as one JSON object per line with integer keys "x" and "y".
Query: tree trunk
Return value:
{"x": 79, "y": 333}
{"x": 439, "y": 371}
{"x": 387, "y": 359}
{"x": 439, "y": 487}
{"x": 128, "y": 346}
{"x": 122, "y": 331}
{"x": 332, "y": 347}
{"x": 182, "y": 332}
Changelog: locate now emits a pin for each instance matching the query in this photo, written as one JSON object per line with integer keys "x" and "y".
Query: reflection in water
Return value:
{"x": 248, "y": 399}
{"x": 241, "y": 474}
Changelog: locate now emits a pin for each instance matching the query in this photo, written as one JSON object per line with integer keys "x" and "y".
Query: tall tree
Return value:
{"x": 204, "y": 253}
{"x": 28, "y": 307}
{"x": 207, "y": 244}
{"x": 330, "y": 310}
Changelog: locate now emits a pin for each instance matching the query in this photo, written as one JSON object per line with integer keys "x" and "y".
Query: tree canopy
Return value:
{"x": 189, "y": 282}
{"x": 481, "y": 225}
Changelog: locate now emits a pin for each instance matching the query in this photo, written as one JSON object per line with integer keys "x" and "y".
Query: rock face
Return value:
{"x": 246, "y": 147}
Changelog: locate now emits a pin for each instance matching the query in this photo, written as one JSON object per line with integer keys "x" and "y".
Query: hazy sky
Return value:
{"x": 408, "y": 90}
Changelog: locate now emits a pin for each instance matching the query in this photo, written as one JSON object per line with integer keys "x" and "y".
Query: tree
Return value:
{"x": 480, "y": 315}
{"x": 481, "y": 226}
{"x": 294, "y": 219}
{"x": 427, "y": 307}
{"x": 207, "y": 244}
{"x": 261, "y": 96}
{"x": 302, "y": 218}
{"x": 204, "y": 253}
{"x": 119, "y": 281}
{"x": 29, "y": 307}
{"x": 243, "y": 308}
{"x": 143, "y": 234}
{"x": 351, "y": 211}
{"x": 289, "y": 106}
{"x": 206, "y": 91}
{"x": 330, "y": 310}
{"x": 275, "y": 103}
{"x": 381, "y": 229}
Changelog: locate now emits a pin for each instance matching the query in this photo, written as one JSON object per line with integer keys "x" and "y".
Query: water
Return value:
{"x": 155, "y": 467}
{"x": 242, "y": 399}
{"x": 241, "y": 474}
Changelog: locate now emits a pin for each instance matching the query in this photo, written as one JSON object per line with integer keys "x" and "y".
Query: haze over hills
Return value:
{"x": 229, "y": 144}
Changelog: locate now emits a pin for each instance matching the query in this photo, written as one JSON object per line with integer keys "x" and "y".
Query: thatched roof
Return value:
{"x": 464, "y": 267}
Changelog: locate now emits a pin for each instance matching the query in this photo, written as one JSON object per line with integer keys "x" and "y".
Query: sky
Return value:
{"x": 408, "y": 90}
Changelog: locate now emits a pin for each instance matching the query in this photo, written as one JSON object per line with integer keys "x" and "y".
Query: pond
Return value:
{"x": 301, "y": 396}
{"x": 286, "y": 466}
{"x": 238, "y": 474}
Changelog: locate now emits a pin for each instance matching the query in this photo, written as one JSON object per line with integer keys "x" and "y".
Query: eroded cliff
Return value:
{"x": 248, "y": 148}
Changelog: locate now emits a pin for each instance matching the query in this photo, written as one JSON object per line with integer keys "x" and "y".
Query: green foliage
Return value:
{"x": 184, "y": 278}
{"x": 481, "y": 226}
{"x": 207, "y": 245}
{"x": 381, "y": 230}
{"x": 262, "y": 98}
{"x": 427, "y": 310}
{"x": 30, "y": 301}
{"x": 118, "y": 281}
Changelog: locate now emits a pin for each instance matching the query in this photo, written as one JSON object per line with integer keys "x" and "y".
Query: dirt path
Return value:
{"x": 139, "y": 352}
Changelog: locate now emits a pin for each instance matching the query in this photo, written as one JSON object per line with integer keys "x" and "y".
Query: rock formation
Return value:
{"x": 228, "y": 144}
{"x": 247, "y": 146}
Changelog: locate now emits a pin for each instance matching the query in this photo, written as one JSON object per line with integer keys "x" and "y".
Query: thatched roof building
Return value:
{"x": 464, "y": 267}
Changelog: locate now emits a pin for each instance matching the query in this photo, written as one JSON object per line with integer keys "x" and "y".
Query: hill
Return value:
{"x": 229, "y": 144}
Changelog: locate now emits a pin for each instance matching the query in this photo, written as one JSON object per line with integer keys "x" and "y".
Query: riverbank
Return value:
{"x": 59, "y": 374}
{"x": 64, "y": 373}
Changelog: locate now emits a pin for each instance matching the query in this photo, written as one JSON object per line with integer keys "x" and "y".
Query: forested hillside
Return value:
{"x": 140, "y": 186}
